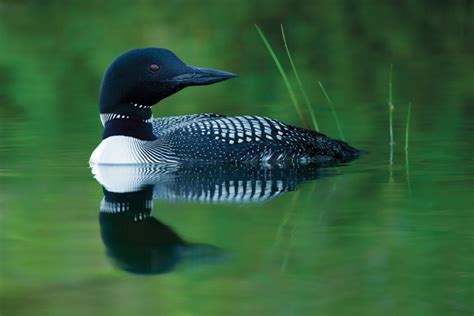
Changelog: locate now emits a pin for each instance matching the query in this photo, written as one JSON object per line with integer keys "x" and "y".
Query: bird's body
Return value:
{"x": 216, "y": 138}
{"x": 132, "y": 136}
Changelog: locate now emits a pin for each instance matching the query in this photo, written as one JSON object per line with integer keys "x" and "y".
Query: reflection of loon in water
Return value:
{"x": 218, "y": 183}
{"x": 139, "y": 243}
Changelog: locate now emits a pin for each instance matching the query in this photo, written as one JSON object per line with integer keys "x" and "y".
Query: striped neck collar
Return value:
{"x": 106, "y": 117}
{"x": 126, "y": 111}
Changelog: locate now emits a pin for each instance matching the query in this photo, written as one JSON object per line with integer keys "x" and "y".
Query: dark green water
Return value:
{"x": 370, "y": 238}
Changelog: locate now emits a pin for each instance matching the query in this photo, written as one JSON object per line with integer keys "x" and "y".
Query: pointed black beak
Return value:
{"x": 195, "y": 76}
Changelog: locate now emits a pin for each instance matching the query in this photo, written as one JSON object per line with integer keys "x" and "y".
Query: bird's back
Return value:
{"x": 211, "y": 137}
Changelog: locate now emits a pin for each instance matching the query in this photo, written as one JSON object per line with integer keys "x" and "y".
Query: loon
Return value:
{"x": 139, "y": 78}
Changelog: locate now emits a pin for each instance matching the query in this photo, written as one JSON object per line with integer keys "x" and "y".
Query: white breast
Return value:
{"x": 117, "y": 150}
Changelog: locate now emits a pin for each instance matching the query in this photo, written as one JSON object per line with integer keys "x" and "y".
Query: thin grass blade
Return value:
{"x": 303, "y": 92}
{"x": 407, "y": 129}
{"x": 283, "y": 74}
{"x": 390, "y": 105}
{"x": 407, "y": 164}
{"x": 334, "y": 114}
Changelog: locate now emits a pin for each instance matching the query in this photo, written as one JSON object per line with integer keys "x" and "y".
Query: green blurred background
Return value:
{"x": 376, "y": 239}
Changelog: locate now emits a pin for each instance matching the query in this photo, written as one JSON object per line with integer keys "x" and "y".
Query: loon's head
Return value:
{"x": 140, "y": 78}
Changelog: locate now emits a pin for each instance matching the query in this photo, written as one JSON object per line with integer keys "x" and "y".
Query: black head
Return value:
{"x": 140, "y": 78}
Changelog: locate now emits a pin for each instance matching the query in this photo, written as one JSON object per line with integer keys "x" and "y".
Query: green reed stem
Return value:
{"x": 334, "y": 114}
{"x": 407, "y": 165}
{"x": 391, "y": 107}
{"x": 303, "y": 92}
{"x": 407, "y": 129}
{"x": 283, "y": 74}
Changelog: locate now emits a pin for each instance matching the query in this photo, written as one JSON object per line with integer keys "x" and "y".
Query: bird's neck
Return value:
{"x": 124, "y": 110}
{"x": 131, "y": 127}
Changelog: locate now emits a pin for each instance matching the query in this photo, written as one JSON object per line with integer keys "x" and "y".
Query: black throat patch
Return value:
{"x": 129, "y": 127}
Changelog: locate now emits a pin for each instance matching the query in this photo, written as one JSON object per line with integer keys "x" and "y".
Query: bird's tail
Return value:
{"x": 347, "y": 152}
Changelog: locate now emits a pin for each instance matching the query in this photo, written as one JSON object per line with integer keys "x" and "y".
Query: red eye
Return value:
{"x": 154, "y": 68}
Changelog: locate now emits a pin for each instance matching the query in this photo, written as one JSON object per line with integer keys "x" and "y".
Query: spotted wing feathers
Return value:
{"x": 211, "y": 137}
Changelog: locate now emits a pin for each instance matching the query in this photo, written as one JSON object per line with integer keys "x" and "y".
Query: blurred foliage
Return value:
{"x": 365, "y": 246}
